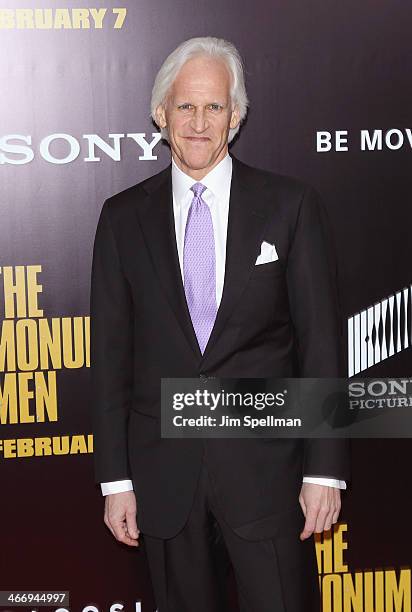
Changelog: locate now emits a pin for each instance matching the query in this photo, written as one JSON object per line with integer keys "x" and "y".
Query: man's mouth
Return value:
{"x": 197, "y": 138}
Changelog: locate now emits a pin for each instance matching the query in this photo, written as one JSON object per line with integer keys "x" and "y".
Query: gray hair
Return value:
{"x": 208, "y": 45}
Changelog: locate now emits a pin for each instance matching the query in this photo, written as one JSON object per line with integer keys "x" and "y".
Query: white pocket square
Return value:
{"x": 267, "y": 253}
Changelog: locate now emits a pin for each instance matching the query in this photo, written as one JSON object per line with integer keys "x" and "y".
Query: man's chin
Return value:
{"x": 197, "y": 163}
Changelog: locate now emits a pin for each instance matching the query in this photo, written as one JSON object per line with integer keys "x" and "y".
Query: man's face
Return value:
{"x": 198, "y": 114}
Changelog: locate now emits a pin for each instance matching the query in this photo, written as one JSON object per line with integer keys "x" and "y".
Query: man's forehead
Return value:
{"x": 202, "y": 73}
{"x": 197, "y": 89}
{"x": 193, "y": 91}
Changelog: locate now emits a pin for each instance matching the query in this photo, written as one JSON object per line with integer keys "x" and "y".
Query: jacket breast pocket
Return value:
{"x": 270, "y": 269}
{"x": 263, "y": 298}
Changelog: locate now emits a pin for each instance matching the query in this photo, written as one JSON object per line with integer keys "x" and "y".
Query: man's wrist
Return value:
{"x": 116, "y": 486}
{"x": 327, "y": 482}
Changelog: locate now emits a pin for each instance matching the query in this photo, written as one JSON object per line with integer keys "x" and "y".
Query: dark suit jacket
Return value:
{"x": 277, "y": 319}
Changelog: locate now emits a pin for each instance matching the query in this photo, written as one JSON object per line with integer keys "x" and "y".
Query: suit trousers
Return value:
{"x": 189, "y": 571}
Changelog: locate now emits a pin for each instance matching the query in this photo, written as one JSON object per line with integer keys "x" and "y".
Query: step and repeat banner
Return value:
{"x": 330, "y": 102}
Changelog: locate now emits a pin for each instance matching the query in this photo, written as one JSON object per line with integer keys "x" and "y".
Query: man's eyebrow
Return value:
{"x": 220, "y": 103}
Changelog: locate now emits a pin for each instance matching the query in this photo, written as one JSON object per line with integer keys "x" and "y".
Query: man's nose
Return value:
{"x": 199, "y": 120}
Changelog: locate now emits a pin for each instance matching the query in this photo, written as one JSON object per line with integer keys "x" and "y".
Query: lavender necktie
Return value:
{"x": 199, "y": 268}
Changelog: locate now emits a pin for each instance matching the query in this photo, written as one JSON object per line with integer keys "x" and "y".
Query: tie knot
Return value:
{"x": 198, "y": 189}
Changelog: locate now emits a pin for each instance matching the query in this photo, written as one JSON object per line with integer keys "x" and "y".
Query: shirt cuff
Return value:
{"x": 327, "y": 482}
{"x": 116, "y": 486}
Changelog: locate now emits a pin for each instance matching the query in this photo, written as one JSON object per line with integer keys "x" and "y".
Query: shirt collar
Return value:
{"x": 217, "y": 180}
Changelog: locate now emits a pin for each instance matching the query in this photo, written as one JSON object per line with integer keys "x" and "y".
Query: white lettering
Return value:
{"x": 146, "y": 146}
{"x": 72, "y": 154}
{"x": 96, "y": 141}
{"x": 371, "y": 143}
{"x": 7, "y": 147}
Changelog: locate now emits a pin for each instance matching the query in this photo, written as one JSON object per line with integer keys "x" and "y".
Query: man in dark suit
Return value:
{"x": 213, "y": 268}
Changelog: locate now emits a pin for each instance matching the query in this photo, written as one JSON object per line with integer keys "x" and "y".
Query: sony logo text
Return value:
{"x": 18, "y": 149}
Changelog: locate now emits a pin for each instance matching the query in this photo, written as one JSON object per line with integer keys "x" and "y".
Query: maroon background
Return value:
{"x": 310, "y": 66}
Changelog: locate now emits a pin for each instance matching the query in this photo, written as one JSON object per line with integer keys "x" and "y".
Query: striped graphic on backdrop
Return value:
{"x": 380, "y": 331}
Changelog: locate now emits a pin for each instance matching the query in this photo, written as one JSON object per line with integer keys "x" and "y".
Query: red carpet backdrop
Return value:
{"x": 330, "y": 102}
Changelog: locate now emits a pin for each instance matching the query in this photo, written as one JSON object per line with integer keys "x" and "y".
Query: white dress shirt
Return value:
{"x": 216, "y": 196}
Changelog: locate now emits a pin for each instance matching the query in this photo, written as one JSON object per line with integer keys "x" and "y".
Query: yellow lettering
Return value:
{"x": 62, "y": 19}
{"x": 379, "y": 598}
{"x": 33, "y": 288}
{"x": 80, "y": 18}
{"x": 369, "y": 596}
{"x": 50, "y": 344}
{"x": 8, "y": 400}
{"x": 78, "y": 445}
{"x": 7, "y": 347}
{"x": 12, "y": 289}
{"x": 353, "y": 599}
{"x": 339, "y": 545}
{"x": 43, "y": 18}
{"x": 25, "y": 447}
{"x": 87, "y": 341}
{"x": 400, "y": 595}
{"x": 25, "y": 394}
{"x": 46, "y": 396}
{"x": 9, "y": 449}
{"x": 98, "y": 16}
{"x": 42, "y": 446}
{"x": 73, "y": 343}
{"x": 27, "y": 343}
{"x": 61, "y": 445}
{"x": 332, "y": 593}
{"x": 121, "y": 16}
{"x": 324, "y": 552}
{"x": 6, "y": 19}
{"x": 24, "y": 19}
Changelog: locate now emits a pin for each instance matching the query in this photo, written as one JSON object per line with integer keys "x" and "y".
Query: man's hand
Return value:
{"x": 120, "y": 517}
{"x": 321, "y": 507}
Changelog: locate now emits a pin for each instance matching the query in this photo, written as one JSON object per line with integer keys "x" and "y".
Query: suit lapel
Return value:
{"x": 158, "y": 226}
{"x": 246, "y": 223}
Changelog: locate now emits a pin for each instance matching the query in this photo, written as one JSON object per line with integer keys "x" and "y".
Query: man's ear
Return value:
{"x": 161, "y": 116}
{"x": 235, "y": 118}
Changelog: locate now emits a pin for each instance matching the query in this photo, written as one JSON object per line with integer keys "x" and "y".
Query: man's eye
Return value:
{"x": 185, "y": 106}
{"x": 215, "y": 107}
